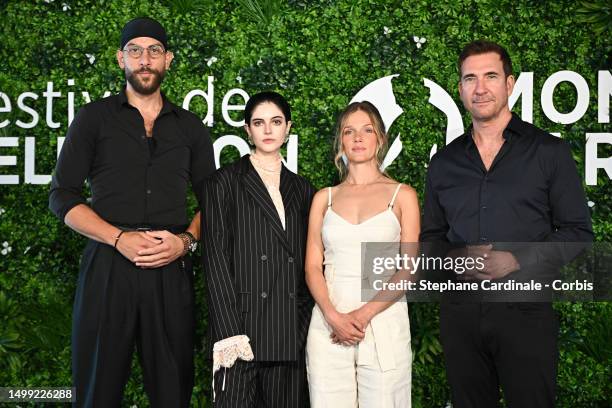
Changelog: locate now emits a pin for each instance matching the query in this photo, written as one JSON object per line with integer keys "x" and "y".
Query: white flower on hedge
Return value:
{"x": 259, "y": 62}
{"x": 211, "y": 61}
{"x": 91, "y": 58}
{"x": 386, "y": 30}
{"x": 48, "y": 1}
{"x": 591, "y": 204}
{"x": 2, "y": 211}
{"x": 65, "y": 7}
{"x": 239, "y": 79}
{"x": 419, "y": 40}
{"x": 26, "y": 250}
{"x": 6, "y": 248}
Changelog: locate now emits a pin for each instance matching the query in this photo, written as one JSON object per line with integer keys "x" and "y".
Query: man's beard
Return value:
{"x": 145, "y": 88}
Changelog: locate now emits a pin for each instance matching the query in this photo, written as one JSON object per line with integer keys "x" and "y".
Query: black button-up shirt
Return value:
{"x": 531, "y": 193}
{"x": 134, "y": 180}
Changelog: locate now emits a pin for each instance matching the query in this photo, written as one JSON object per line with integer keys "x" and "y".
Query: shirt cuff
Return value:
{"x": 62, "y": 201}
{"x": 227, "y": 351}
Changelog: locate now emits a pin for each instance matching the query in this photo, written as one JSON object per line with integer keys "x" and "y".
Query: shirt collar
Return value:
{"x": 515, "y": 128}
{"x": 167, "y": 106}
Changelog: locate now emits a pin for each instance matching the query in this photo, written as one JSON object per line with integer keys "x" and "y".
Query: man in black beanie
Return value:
{"x": 139, "y": 153}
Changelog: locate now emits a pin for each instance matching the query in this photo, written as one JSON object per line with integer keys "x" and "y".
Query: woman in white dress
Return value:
{"x": 358, "y": 352}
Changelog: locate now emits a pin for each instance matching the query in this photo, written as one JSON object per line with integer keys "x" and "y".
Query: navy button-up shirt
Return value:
{"x": 133, "y": 179}
{"x": 531, "y": 193}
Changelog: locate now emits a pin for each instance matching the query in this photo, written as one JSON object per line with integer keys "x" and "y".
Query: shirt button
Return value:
{"x": 144, "y": 137}
{"x": 264, "y": 257}
{"x": 291, "y": 295}
{"x": 264, "y": 295}
{"x": 148, "y": 191}
{"x": 484, "y": 207}
{"x": 290, "y": 259}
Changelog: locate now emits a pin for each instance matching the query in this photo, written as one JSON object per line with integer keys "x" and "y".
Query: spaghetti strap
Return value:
{"x": 329, "y": 197}
{"x": 395, "y": 195}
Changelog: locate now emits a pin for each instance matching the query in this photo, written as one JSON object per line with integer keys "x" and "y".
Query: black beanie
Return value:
{"x": 143, "y": 27}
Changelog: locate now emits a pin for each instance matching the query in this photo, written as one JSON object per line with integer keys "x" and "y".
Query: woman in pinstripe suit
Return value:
{"x": 254, "y": 227}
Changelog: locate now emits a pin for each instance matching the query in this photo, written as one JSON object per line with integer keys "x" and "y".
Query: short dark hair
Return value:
{"x": 268, "y": 96}
{"x": 483, "y": 47}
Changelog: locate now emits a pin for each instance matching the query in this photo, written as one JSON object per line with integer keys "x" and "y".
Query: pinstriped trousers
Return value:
{"x": 256, "y": 384}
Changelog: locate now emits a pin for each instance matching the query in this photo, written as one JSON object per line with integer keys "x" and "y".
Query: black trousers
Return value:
{"x": 512, "y": 345}
{"x": 118, "y": 307}
{"x": 254, "y": 384}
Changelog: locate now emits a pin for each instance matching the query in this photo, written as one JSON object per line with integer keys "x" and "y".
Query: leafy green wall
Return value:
{"x": 318, "y": 54}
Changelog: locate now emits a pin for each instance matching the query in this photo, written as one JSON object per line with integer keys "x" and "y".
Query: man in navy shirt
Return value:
{"x": 504, "y": 181}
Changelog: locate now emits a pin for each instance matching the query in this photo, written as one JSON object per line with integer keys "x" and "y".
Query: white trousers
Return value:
{"x": 352, "y": 376}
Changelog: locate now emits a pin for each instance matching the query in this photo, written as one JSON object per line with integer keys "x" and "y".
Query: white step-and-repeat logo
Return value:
{"x": 379, "y": 92}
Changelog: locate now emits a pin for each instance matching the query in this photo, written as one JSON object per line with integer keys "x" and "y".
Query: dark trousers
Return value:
{"x": 512, "y": 345}
{"x": 118, "y": 307}
{"x": 262, "y": 385}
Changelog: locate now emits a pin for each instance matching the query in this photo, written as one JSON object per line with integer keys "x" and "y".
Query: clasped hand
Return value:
{"x": 348, "y": 329}
{"x": 496, "y": 264}
{"x": 150, "y": 249}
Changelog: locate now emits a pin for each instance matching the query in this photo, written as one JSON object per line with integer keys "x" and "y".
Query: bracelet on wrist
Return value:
{"x": 117, "y": 238}
{"x": 189, "y": 241}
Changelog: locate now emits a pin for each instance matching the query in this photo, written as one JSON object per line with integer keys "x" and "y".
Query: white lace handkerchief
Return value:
{"x": 227, "y": 351}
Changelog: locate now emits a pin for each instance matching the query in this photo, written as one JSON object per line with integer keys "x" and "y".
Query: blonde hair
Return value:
{"x": 379, "y": 129}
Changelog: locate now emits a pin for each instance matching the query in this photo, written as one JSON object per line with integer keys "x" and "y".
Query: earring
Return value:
{"x": 250, "y": 141}
{"x": 286, "y": 138}
{"x": 344, "y": 158}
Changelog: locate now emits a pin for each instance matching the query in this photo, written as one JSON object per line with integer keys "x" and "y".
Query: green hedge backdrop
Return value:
{"x": 318, "y": 54}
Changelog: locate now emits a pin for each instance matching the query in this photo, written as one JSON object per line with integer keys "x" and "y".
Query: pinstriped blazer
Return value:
{"x": 254, "y": 268}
